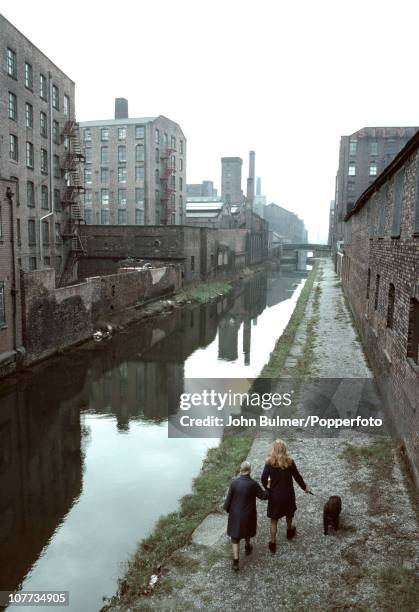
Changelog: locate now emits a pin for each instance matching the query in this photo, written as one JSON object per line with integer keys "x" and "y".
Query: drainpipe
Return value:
{"x": 14, "y": 290}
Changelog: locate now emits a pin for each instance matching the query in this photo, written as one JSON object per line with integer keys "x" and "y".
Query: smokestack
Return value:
{"x": 121, "y": 108}
{"x": 258, "y": 186}
{"x": 250, "y": 193}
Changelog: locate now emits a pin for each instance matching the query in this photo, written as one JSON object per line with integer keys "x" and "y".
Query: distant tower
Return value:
{"x": 258, "y": 186}
{"x": 250, "y": 193}
{"x": 121, "y": 108}
{"x": 231, "y": 180}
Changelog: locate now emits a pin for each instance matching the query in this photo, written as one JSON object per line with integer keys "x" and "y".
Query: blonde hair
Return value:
{"x": 278, "y": 455}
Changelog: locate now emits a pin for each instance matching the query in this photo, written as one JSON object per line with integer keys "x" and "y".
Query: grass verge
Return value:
{"x": 400, "y": 588}
{"x": 379, "y": 452}
{"x": 174, "y": 530}
{"x": 278, "y": 357}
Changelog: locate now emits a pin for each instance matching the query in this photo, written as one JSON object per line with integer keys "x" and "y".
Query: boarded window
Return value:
{"x": 397, "y": 204}
{"x": 390, "y": 306}
{"x": 413, "y": 333}
{"x": 377, "y": 291}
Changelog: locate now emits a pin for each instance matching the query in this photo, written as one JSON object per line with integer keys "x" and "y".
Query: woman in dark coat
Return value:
{"x": 240, "y": 504}
{"x": 278, "y": 475}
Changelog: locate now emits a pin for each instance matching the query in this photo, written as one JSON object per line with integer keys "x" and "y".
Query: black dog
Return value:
{"x": 331, "y": 512}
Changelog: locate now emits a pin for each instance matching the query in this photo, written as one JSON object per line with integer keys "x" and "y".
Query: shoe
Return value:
{"x": 248, "y": 549}
{"x": 272, "y": 547}
{"x": 235, "y": 565}
{"x": 291, "y": 533}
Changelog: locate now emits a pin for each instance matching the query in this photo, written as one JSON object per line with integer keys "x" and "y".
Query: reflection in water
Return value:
{"x": 72, "y": 503}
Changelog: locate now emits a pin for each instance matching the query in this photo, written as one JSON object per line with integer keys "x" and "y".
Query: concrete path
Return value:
{"x": 368, "y": 565}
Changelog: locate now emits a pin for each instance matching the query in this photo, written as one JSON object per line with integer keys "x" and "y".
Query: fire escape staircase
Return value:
{"x": 74, "y": 190}
{"x": 166, "y": 188}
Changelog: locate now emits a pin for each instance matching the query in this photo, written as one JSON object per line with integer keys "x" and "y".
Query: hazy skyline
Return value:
{"x": 284, "y": 80}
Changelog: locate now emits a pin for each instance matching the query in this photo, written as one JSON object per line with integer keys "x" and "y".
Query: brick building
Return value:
{"x": 135, "y": 170}
{"x": 205, "y": 189}
{"x": 231, "y": 180}
{"x": 36, "y": 112}
{"x": 380, "y": 274}
{"x": 10, "y": 312}
{"x": 363, "y": 155}
{"x": 285, "y": 223}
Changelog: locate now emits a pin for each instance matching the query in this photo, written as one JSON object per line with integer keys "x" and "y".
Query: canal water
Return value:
{"x": 86, "y": 465}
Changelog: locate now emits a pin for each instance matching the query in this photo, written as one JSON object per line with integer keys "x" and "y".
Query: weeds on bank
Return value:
{"x": 174, "y": 530}
{"x": 203, "y": 293}
{"x": 279, "y": 355}
{"x": 380, "y": 452}
{"x": 400, "y": 588}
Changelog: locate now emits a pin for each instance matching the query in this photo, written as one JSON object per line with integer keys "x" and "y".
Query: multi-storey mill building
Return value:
{"x": 39, "y": 151}
{"x": 135, "y": 170}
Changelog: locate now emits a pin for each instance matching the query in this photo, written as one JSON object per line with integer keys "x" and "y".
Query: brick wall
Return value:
{"x": 370, "y": 251}
{"x": 54, "y": 319}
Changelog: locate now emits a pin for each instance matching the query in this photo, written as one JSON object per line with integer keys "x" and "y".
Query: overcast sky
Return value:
{"x": 285, "y": 78}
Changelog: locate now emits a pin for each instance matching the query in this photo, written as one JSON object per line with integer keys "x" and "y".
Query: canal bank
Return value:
{"x": 371, "y": 563}
{"x": 84, "y": 439}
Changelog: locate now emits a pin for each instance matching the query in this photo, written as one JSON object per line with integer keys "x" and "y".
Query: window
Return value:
{"x": 352, "y": 146}
{"x": 29, "y": 115}
{"x": 56, "y": 132}
{"x": 104, "y": 134}
{"x": 180, "y": 183}
{"x": 122, "y": 197}
{"x": 11, "y": 63}
{"x": 29, "y": 155}
{"x": 180, "y": 202}
{"x": 88, "y": 155}
{"x": 43, "y": 86}
{"x": 139, "y": 173}
{"x": 47, "y": 260}
{"x": 377, "y": 291}
{"x": 139, "y": 195}
{"x": 104, "y": 175}
{"x": 19, "y": 233}
{"x": 122, "y": 216}
{"x": 88, "y": 199}
{"x": 139, "y": 153}
{"x": 413, "y": 332}
{"x": 139, "y": 216}
{"x": 192, "y": 263}
{"x": 87, "y": 134}
{"x": 139, "y": 131}
{"x": 416, "y": 226}
{"x": 173, "y": 162}
{"x": 28, "y": 76}
{"x": 122, "y": 133}
{"x": 31, "y": 232}
{"x": 88, "y": 176}
{"x": 181, "y": 146}
{"x": 66, "y": 105}
{"x": 66, "y": 141}
{"x": 351, "y": 169}
{"x": 104, "y": 197}
{"x": 181, "y": 165}
{"x": 157, "y": 156}
{"x": 45, "y": 232}
{"x": 12, "y": 106}
{"x": 30, "y": 193}
{"x": 157, "y": 176}
{"x": 173, "y": 142}
{"x": 122, "y": 153}
{"x": 391, "y": 146}
{"x": 43, "y": 124}
{"x": 13, "y": 148}
{"x": 104, "y": 217}
{"x": 55, "y": 97}
{"x": 44, "y": 197}
{"x": 57, "y": 200}
{"x": 32, "y": 263}
{"x": 373, "y": 169}
{"x": 88, "y": 216}
{"x": 57, "y": 169}
{"x": 397, "y": 204}
{"x": 374, "y": 147}
{"x": 122, "y": 174}
{"x": 2, "y": 304}
{"x": 104, "y": 155}
{"x": 44, "y": 161}
{"x": 390, "y": 306}
{"x": 173, "y": 181}
{"x": 157, "y": 136}
{"x": 58, "y": 263}
{"x": 58, "y": 237}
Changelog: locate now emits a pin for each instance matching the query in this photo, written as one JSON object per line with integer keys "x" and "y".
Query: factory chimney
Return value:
{"x": 121, "y": 108}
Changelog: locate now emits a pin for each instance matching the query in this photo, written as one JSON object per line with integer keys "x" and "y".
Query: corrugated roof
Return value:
{"x": 200, "y": 206}
{"x": 106, "y": 122}
{"x": 201, "y": 215}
